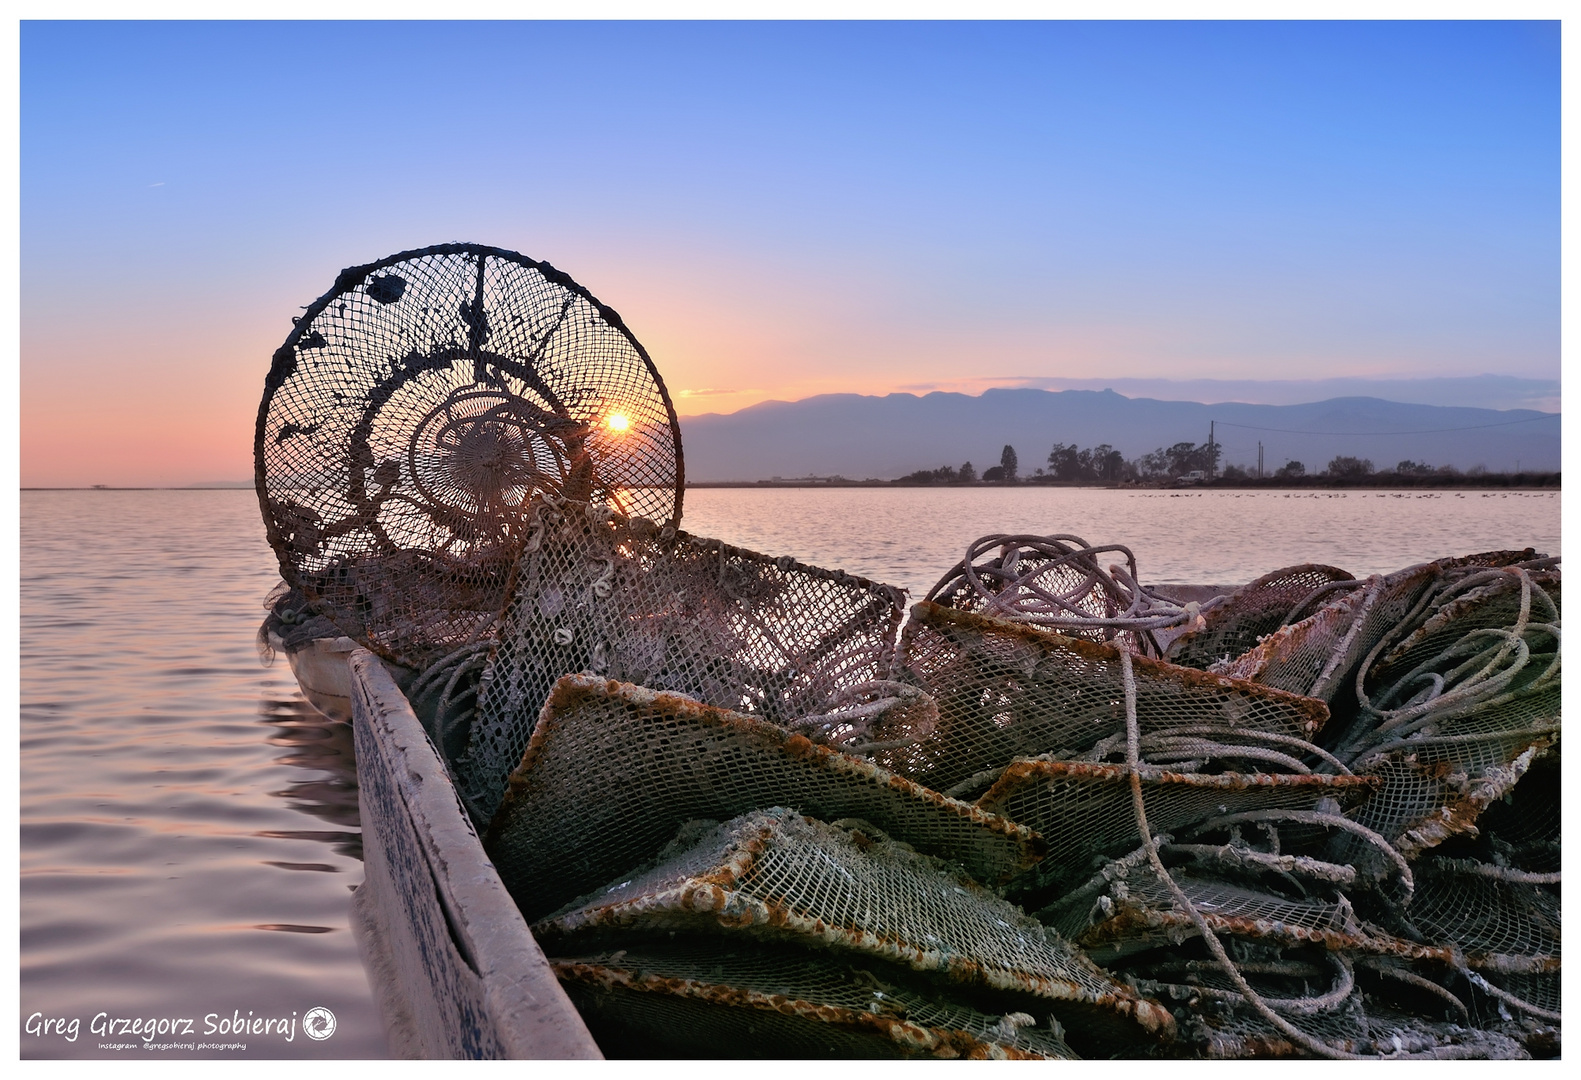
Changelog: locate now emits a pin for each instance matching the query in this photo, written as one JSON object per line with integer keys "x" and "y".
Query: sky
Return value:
{"x": 782, "y": 210}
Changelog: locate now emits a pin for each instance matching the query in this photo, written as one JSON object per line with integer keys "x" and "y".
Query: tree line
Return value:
{"x": 1068, "y": 463}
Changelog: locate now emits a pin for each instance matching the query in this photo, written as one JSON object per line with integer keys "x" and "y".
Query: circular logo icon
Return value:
{"x": 319, "y": 1023}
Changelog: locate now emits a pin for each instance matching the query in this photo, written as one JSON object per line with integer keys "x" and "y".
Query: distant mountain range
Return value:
{"x": 862, "y": 437}
{"x": 1472, "y": 391}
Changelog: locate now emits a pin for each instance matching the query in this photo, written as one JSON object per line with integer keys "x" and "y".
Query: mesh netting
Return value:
{"x": 1419, "y": 806}
{"x": 1233, "y": 1031}
{"x": 414, "y": 411}
{"x": 774, "y": 875}
{"x": 614, "y": 769}
{"x": 1496, "y": 922}
{"x": 1522, "y": 830}
{"x": 1320, "y": 654}
{"x": 1255, "y": 610}
{"x": 1454, "y": 713}
{"x": 1492, "y": 604}
{"x": 1084, "y": 810}
{"x": 1142, "y": 914}
{"x": 626, "y": 600}
{"x": 1360, "y": 1005}
{"x": 1005, "y": 691}
{"x": 700, "y": 999}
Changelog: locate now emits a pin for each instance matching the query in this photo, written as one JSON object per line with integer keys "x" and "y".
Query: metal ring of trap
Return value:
{"x": 416, "y": 410}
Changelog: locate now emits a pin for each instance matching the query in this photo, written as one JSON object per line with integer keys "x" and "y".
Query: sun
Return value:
{"x": 618, "y": 422}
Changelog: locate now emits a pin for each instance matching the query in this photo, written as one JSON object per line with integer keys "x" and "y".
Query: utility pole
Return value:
{"x": 1210, "y": 449}
{"x": 1259, "y": 459}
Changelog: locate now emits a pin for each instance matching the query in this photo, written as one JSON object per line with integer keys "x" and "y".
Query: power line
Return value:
{"x": 1424, "y": 431}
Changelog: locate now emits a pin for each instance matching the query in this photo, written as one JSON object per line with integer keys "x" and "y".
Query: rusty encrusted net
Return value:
{"x": 1522, "y": 830}
{"x": 613, "y": 770}
{"x": 626, "y": 600}
{"x": 1223, "y": 1027}
{"x": 1005, "y": 690}
{"x": 1320, "y": 654}
{"x": 774, "y": 875}
{"x": 1257, "y": 609}
{"x": 413, "y": 413}
{"x": 703, "y": 999}
{"x": 1083, "y": 810}
{"x": 1420, "y": 806}
{"x": 1317, "y": 656}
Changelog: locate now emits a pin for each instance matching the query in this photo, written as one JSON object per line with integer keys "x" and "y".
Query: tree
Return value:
{"x": 1291, "y": 469}
{"x": 1233, "y": 472}
{"x": 1349, "y": 468}
{"x": 1107, "y": 462}
{"x": 1153, "y": 464}
{"x": 1065, "y": 462}
{"x": 1182, "y": 458}
{"x": 942, "y": 475}
{"x": 1007, "y": 461}
{"x": 1413, "y": 468}
{"x": 966, "y": 474}
{"x": 993, "y": 474}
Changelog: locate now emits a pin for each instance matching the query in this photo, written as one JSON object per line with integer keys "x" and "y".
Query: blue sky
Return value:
{"x": 780, "y": 210}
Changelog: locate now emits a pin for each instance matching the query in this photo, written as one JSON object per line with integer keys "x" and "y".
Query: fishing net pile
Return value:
{"x": 756, "y": 808}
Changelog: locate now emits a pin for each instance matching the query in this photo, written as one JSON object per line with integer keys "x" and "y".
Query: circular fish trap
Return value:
{"x": 416, "y": 411}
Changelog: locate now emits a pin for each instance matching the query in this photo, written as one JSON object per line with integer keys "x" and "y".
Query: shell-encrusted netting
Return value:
{"x": 613, "y": 770}
{"x": 1359, "y": 1026}
{"x": 1004, "y": 691}
{"x": 1522, "y": 830}
{"x": 774, "y": 875}
{"x": 1319, "y": 655}
{"x": 1489, "y": 688}
{"x": 1503, "y": 925}
{"x": 414, "y": 412}
{"x": 1060, "y": 583}
{"x": 1142, "y": 914}
{"x": 1485, "y": 601}
{"x": 1456, "y": 711}
{"x": 1420, "y": 806}
{"x": 1084, "y": 811}
{"x": 1256, "y": 609}
{"x": 1357, "y": 1005}
{"x": 625, "y": 600}
{"x": 697, "y": 998}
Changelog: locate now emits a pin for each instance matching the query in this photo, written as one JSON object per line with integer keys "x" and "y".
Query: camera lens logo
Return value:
{"x": 319, "y": 1023}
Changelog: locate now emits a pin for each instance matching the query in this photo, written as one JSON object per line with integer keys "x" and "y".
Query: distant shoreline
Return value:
{"x": 1490, "y": 481}
{"x": 1524, "y": 481}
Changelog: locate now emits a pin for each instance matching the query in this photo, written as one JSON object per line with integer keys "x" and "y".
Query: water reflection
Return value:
{"x": 317, "y": 745}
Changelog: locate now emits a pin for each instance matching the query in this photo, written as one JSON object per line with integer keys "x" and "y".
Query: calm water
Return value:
{"x": 911, "y": 536}
{"x": 189, "y": 825}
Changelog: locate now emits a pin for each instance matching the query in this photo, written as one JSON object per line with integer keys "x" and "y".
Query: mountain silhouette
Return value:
{"x": 860, "y": 437}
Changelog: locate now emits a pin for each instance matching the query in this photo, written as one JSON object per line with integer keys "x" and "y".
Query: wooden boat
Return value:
{"x": 455, "y": 971}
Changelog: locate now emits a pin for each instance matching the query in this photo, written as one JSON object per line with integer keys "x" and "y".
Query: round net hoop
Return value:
{"x": 415, "y": 412}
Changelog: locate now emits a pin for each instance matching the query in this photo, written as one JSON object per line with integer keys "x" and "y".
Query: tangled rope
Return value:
{"x": 1483, "y": 666}
{"x": 1056, "y": 582}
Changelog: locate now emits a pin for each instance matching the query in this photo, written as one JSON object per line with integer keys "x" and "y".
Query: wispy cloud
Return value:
{"x": 159, "y": 183}
{"x": 709, "y": 391}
